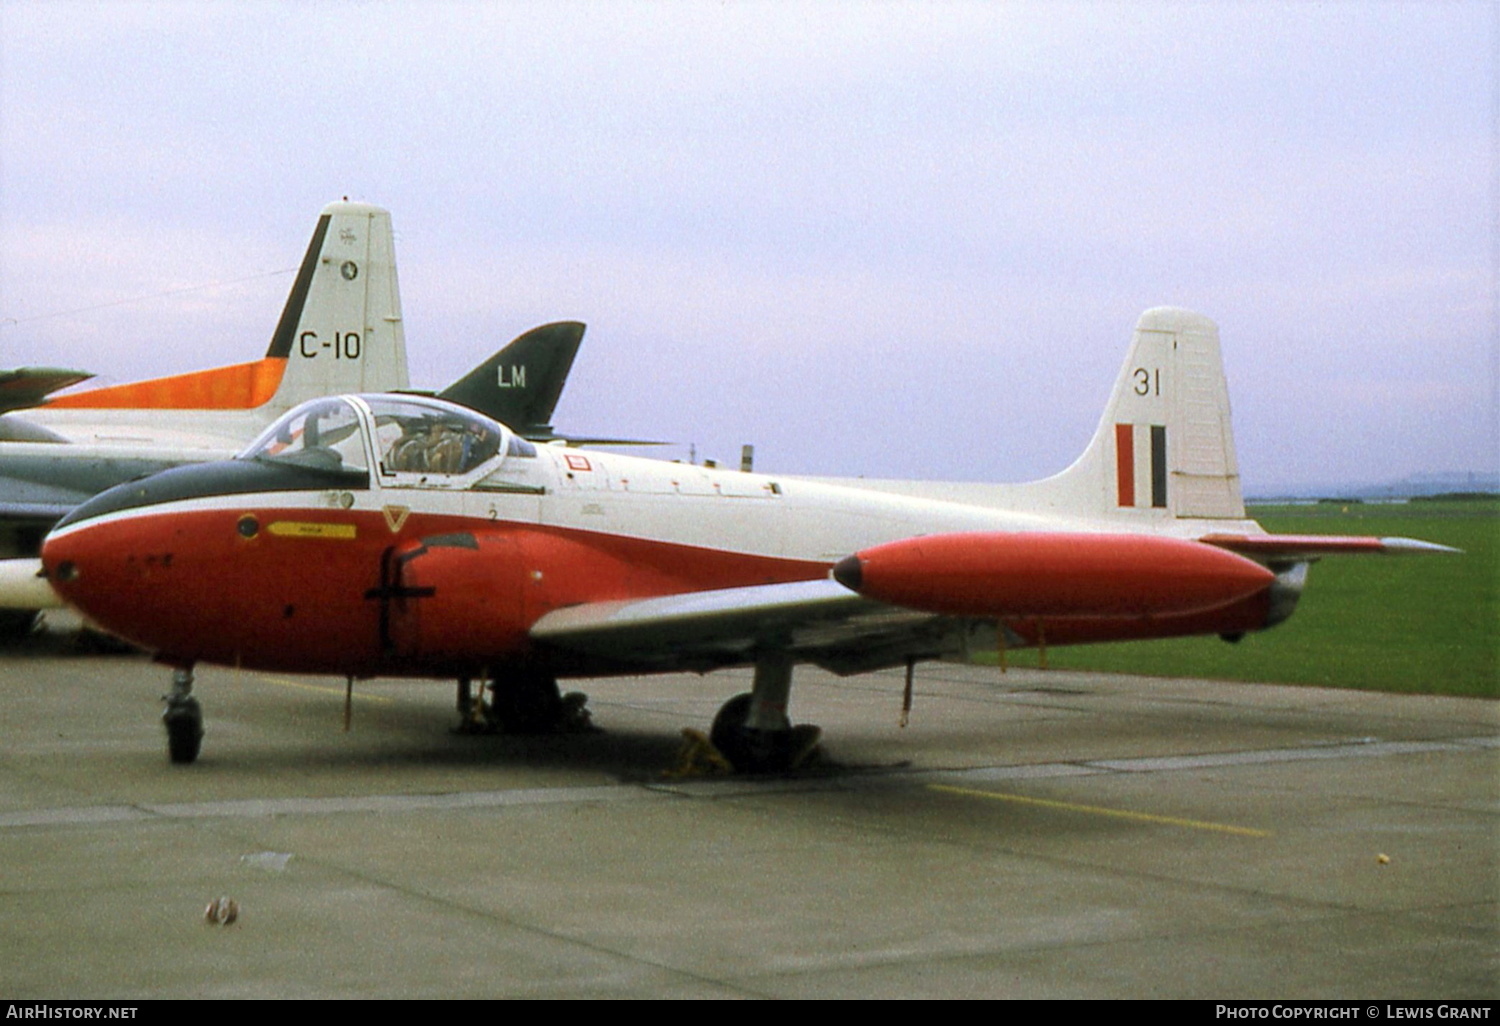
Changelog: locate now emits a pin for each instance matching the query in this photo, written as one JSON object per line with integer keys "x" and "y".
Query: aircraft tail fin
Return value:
{"x": 340, "y": 331}
{"x": 520, "y": 385}
{"x": 1164, "y": 447}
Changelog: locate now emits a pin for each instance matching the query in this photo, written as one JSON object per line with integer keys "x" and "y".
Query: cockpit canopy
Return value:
{"x": 322, "y": 433}
{"x": 397, "y": 435}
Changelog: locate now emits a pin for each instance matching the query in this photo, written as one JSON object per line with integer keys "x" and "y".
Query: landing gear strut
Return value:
{"x": 752, "y": 731}
{"x": 470, "y": 709}
{"x": 183, "y": 718}
{"x": 527, "y": 702}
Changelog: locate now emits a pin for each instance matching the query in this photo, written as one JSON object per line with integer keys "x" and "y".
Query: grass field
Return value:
{"x": 1423, "y": 624}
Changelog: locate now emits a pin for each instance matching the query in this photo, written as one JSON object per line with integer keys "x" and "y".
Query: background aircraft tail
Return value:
{"x": 520, "y": 385}
{"x": 1164, "y": 447}
{"x": 340, "y": 331}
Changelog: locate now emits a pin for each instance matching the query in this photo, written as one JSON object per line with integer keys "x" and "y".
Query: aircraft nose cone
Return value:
{"x": 61, "y": 563}
{"x": 126, "y": 576}
{"x": 849, "y": 572}
{"x": 149, "y": 580}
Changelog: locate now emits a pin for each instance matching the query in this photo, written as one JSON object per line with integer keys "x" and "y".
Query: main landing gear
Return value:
{"x": 752, "y": 731}
{"x": 183, "y": 718}
{"x": 522, "y": 703}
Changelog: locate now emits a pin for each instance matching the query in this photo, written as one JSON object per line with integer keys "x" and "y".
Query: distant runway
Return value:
{"x": 1037, "y": 834}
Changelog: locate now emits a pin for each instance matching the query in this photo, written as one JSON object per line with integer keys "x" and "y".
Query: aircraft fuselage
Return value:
{"x": 440, "y": 575}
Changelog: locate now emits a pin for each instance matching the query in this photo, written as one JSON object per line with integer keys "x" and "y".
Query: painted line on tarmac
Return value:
{"x": 1362, "y": 748}
{"x": 1100, "y": 810}
{"x": 1365, "y": 748}
{"x": 87, "y": 814}
{"x": 250, "y": 808}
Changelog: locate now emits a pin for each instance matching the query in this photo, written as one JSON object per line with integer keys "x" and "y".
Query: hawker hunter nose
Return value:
{"x": 395, "y": 535}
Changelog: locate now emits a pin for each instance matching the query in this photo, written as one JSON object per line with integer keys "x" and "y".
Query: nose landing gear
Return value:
{"x": 526, "y": 702}
{"x": 183, "y": 718}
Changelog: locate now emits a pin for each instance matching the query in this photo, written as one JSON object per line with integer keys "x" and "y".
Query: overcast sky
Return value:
{"x": 887, "y": 239}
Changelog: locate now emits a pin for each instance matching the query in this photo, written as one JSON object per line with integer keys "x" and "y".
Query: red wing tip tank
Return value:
{"x": 989, "y": 573}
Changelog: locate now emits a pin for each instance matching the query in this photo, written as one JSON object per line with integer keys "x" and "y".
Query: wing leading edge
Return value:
{"x": 820, "y": 622}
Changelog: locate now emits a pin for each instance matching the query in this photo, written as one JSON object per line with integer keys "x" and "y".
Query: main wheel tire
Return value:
{"x": 731, "y": 718}
{"x": 749, "y": 750}
{"x": 184, "y": 723}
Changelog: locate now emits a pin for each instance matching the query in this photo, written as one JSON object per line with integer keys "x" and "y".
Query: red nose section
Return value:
{"x": 1056, "y": 575}
{"x": 226, "y": 586}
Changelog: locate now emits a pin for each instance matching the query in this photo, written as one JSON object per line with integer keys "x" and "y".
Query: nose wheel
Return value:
{"x": 183, "y": 719}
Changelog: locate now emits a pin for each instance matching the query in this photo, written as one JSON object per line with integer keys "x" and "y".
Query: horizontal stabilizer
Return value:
{"x": 26, "y": 387}
{"x": 1311, "y": 546}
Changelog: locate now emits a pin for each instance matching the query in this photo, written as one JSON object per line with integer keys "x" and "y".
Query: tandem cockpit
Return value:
{"x": 407, "y": 441}
{"x": 350, "y": 443}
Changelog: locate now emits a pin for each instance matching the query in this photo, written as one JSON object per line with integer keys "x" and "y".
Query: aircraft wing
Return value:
{"x": 26, "y": 387}
{"x": 39, "y": 484}
{"x": 26, "y": 502}
{"x": 916, "y": 598}
{"x": 820, "y": 622}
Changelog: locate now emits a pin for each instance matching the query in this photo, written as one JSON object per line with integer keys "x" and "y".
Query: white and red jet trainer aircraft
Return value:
{"x": 390, "y": 535}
